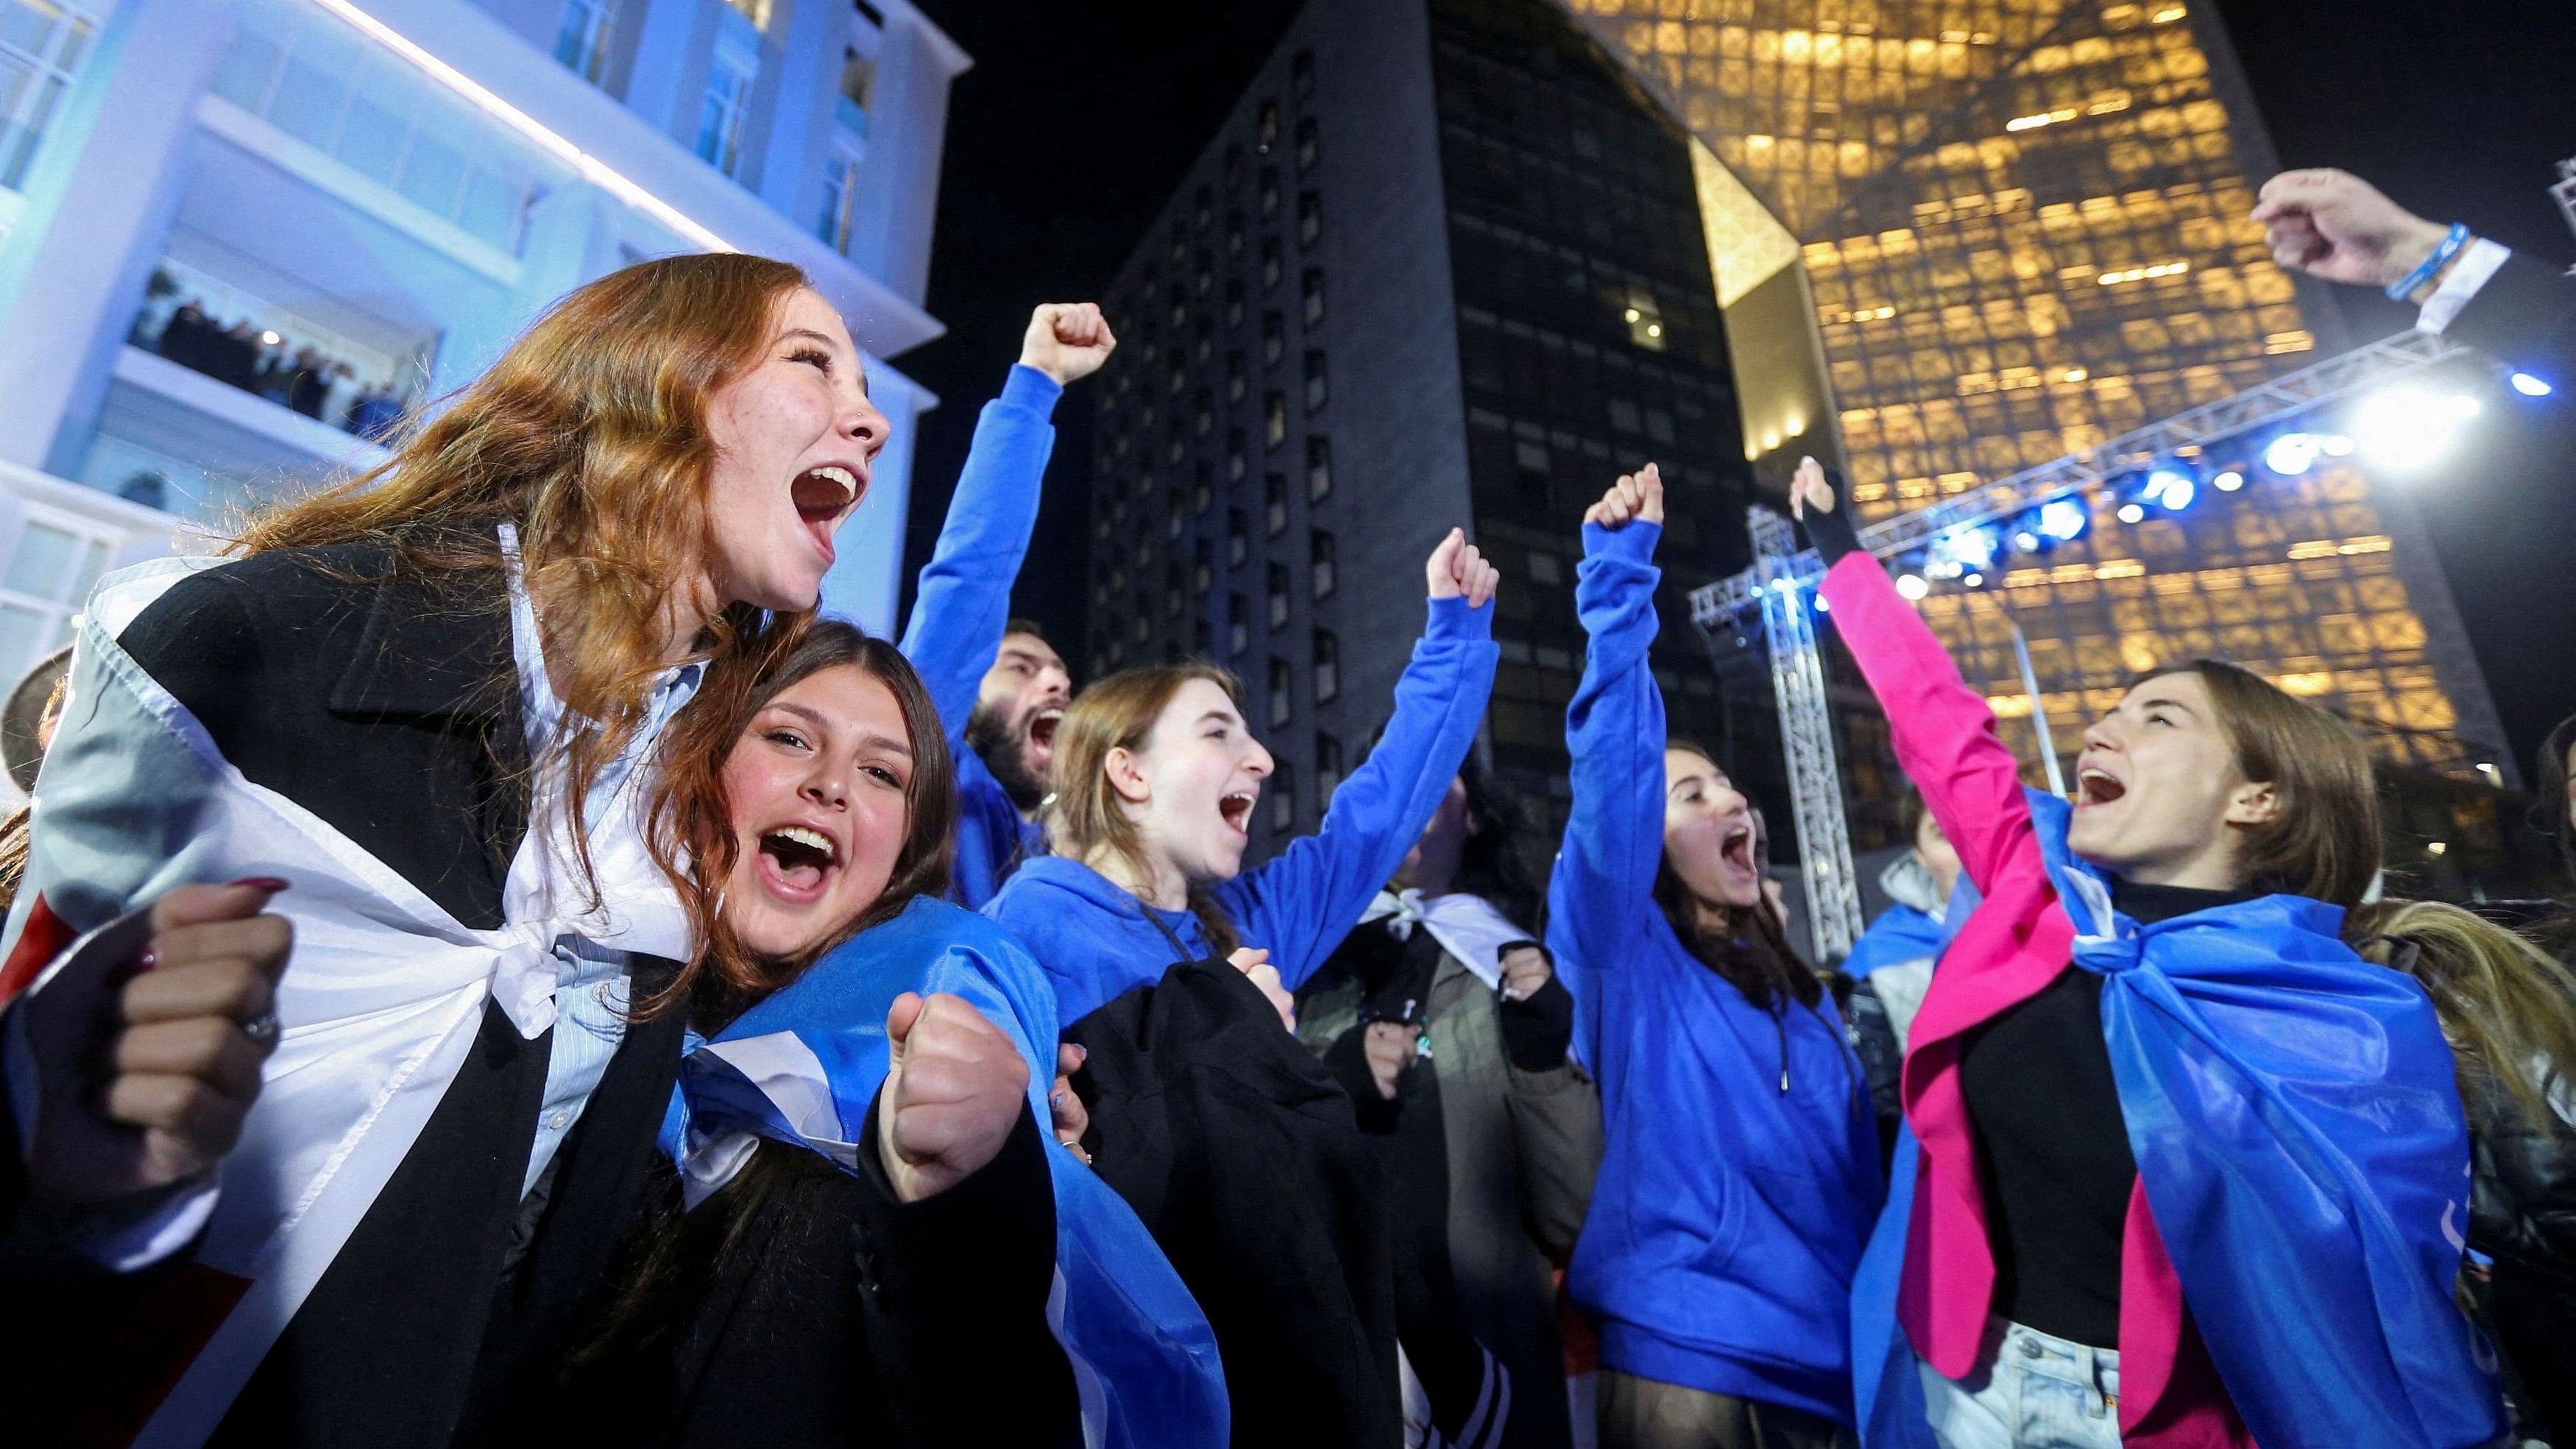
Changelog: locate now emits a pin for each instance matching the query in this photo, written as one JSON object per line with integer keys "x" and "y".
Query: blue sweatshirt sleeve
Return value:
{"x": 1300, "y": 905}
{"x": 1602, "y": 890}
{"x": 965, "y": 593}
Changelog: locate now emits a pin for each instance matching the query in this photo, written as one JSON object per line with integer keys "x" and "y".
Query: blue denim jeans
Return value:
{"x": 2030, "y": 1392}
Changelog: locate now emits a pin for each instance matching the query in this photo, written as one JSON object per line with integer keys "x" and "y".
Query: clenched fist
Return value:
{"x": 1457, "y": 570}
{"x": 1068, "y": 341}
{"x": 1638, "y": 495}
{"x": 1254, "y": 963}
{"x": 2334, "y": 225}
{"x": 954, "y": 1085}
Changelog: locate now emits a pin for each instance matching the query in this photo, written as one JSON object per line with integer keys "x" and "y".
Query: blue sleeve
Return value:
{"x": 1602, "y": 890}
{"x": 1300, "y": 905}
{"x": 965, "y": 593}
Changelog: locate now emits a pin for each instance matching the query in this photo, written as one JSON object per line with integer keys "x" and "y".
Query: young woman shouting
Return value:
{"x": 1741, "y": 1164}
{"x": 2170, "y": 1122}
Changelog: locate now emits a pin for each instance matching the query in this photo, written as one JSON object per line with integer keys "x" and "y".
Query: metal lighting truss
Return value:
{"x": 1781, "y": 572}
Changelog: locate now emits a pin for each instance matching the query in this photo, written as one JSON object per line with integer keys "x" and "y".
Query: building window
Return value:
{"x": 1175, "y": 598}
{"x": 1235, "y": 466}
{"x": 840, "y": 197}
{"x": 722, "y": 110}
{"x": 1310, "y": 218}
{"x": 1233, "y": 235}
{"x": 1274, "y": 338}
{"x": 1144, "y": 627}
{"x": 755, "y": 11}
{"x": 1306, "y": 144}
{"x": 1238, "y": 625}
{"x": 1205, "y": 213}
{"x": 1301, "y": 74}
{"x": 1238, "y": 538}
{"x": 858, "y": 92}
{"x": 46, "y": 583}
{"x": 1233, "y": 166}
{"x": 1173, "y": 521}
{"x": 1265, "y": 127}
{"x": 1274, "y": 419}
{"x": 1328, "y": 666}
{"x": 1283, "y": 796}
{"x": 1234, "y": 377}
{"x": 1233, "y": 303}
{"x": 1202, "y": 566}
{"x": 1269, "y": 192}
{"x": 1270, "y": 262}
{"x": 1278, "y": 575}
{"x": 1199, "y": 633}
{"x": 581, "y": 42}
{"x": 1274, "y": 503}
{"x": 1283, "y": 707}
{"x": 1316, "y": 389}
{"x": 1319, "y": 564}
{"x": 1202, "y": 490}
{"x": 1311, "y": 290}
{"x": 1319, "y": 469}
{"x": 1328, "y": 770}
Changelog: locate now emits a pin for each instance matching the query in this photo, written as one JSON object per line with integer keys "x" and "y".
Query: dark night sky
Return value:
{"x": 1079, "y": 117}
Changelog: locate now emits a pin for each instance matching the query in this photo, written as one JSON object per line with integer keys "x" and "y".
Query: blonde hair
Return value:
{"x": 2508, "y": 1009}
{"x": 590, "y": 435}
{"x": 1086, "y": 817}
{"x": 2323, "y": 841}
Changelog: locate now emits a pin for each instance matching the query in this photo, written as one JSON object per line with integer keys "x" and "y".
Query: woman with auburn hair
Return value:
{"x": 2192, "y": 1171}
{"x": 1740, "y": 1163}
{"x": 423, "y": 704}
{"x": 864, "y": 1070}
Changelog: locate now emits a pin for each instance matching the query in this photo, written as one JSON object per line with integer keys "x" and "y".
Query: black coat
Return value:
{"x": 390, "y": 711}
{"x": 2525, "y": 315}
{"x": 2523, "y": 1215}
{"x": 835, "y": 1314}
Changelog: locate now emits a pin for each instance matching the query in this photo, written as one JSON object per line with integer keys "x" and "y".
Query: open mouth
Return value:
{"x": 1736, "y": 848}
{"x": 1042, "y": 734}
{"x": 1236, "y": 807}
{"x": 2097, "y": 787}
{"x": 823, "y": 497}
{"x": 797, "y": 861}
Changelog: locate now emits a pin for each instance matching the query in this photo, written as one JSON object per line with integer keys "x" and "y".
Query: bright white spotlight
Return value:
{"x": 1961, "y": 551}
{"x": 1784, "y": 586}
{"x": 1912, "y": 586}
{"x": 2178, "y": 494}
{"x": 2406, "y": 427}
{"x": 2163, "y": 481}
{"x": 2063, "y": 518}
{"x": 1974, "y": 581}
{"x": 2335, "y": 445}
{"x": 2132, "y": 513}
{"x": 1821, "y": 606}
{"x": 2530, "y": 386}
{"x": 2026, "y": 541}
{"x": 2291, "y": 454}
{"x": 2228, "y": 481}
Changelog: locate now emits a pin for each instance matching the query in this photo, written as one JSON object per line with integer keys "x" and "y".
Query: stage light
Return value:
{"x": 2178, "y": 494}
{"x": 1912, "y": 586}
{"x": 2164, "y": 485}
{"x": 2406, "y": 427}
{"x": 1784, "y": 586}
{"x": 271, "y": 338}
{"x": 1974, "y": 581}
{"x": 2291, "y": 454}
{"x": 1961, "y": 551}
{"x": 1821, "y": 606}
{"x": 2530, "y": 386}
{"x": 2228, "y": 481}
{"x": 2063, "y": 518}
{"x": 2132, "y": 513}
{"x": 2335, "y": 445}
{"x": 2026, "y": 541}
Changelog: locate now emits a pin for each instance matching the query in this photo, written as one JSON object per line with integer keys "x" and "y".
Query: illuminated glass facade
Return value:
{"x": 2023, "y": 227}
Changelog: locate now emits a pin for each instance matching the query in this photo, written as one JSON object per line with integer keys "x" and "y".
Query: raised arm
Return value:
{"x": 1944, "y": 733}
{"x": 965, "y": 593}
{"x": 1602, "y": 889}
{"x": 1300, "y": 905}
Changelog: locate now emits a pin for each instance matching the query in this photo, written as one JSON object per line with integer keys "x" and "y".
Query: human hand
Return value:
{"x": 1072, "y": 1119}
{"x": 1068, "y": 341}
{"x": 1809, "y": 488}
{"x": 1525, "y": 969}
{"x": 1638, "y": 495}
{"x": 1390, "y": 1047}
{"x": 2333, "y": 224}
{"x": 1456, "y": 569}
{"x": 144, "y": 1078}
{"x": 1254, "y": 962}
{"x": 954, "y": 1085}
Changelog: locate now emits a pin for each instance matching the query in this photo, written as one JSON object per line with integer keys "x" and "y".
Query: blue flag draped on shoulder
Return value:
{"x": 2298, "y": 1131}
{"x": 803, "y": 1067}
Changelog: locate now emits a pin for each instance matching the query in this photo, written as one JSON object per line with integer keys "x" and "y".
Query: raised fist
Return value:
{"x": 1456, "y": 570}
{"x": 2333, "y": 224}
{"x": 1809, "y": 488}
{"x": 1254, "y": 962}
{"x": 1068, "y": 341}
{"x": 1638, "y": 495}
{"x": 954, "y": 1085}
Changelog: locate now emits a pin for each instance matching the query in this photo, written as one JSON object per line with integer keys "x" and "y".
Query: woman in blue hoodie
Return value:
{"x": 1741, "y": 1171}
{"x": 1157, "y": 775}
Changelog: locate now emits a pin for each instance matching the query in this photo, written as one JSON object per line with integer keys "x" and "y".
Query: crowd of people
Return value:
{"x": 259, "y": 361}
{"x": 490, "y": 964}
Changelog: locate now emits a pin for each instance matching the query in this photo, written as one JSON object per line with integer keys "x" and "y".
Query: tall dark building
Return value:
{"x": 1443, "y": 265}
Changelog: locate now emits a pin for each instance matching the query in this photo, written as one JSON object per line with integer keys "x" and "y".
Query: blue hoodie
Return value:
{"x": 1730, "y": 1211}
{"x": 1093, "y": 937}
{"x": 964, "y": 601}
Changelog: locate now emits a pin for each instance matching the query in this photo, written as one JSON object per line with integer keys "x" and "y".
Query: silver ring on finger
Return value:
{"x": 261, "y": 1029}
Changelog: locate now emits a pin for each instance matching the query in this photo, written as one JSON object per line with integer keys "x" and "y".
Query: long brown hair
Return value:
{"x": 2507, "y": 1007}
{"x": 1751, "y": 950}
{"x": 1084, "y": 815}
{"x": 2323, "y": 841}
{"x": 590, "y": 434}
{"x": 692, "y": 831}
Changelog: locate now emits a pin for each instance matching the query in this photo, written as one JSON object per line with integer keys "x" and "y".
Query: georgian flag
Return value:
{"x": 382, "y": 997}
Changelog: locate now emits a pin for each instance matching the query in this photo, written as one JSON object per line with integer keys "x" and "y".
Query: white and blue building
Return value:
{"x": 366, "y": 199}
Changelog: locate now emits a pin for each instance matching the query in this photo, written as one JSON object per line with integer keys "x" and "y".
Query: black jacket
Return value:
{"x": 835, "y": 1314}
{"x": 2525, "y": 316}
{"x": 390, "y": 711}
{"x": 2523, "y": 1215}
